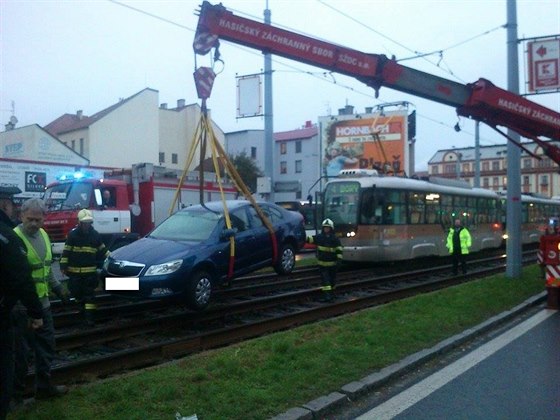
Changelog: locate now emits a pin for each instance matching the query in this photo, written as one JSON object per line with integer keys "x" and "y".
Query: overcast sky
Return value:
{"x": 62, "y": 56}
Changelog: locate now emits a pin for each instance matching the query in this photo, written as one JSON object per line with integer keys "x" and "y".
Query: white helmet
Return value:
{"x": 85, "y": 215}
{"x": 328, "y": 222}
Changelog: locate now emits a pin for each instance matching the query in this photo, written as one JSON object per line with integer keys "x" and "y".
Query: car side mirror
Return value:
{"x": 227, "y": 233}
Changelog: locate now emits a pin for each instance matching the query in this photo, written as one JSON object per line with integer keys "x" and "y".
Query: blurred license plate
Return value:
{"x": 122, "y": 283}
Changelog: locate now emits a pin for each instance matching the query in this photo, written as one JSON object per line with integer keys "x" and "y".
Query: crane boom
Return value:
{"x": 481, "y": 100}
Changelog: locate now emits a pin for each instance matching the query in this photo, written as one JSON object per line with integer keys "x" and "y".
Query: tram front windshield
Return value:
{"x": 341, "y": 202}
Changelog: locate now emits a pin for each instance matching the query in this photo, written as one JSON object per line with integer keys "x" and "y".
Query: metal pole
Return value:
{"x": 513, "y": 208}
{"x": 477, "y": 154}
{"x": 268, "y": 126}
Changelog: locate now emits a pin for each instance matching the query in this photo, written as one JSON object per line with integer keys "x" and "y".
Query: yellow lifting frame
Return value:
{"x": 204, "y": 133}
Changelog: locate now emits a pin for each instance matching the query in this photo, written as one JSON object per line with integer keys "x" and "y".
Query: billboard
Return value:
{"x": 543, "y": 63}
{"x": 367, "y": 141}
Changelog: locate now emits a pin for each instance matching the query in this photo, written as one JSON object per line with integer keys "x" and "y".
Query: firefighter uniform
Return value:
{"x": 15, "y": 284}
{"x": 84, "y": 252}
{"x": 329, "y": 256}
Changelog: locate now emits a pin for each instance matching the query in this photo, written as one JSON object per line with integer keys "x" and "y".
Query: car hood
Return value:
{"x": 152, "y": 251}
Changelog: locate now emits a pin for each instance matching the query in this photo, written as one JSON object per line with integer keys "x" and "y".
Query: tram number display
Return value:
{"x": 345, "y": 188}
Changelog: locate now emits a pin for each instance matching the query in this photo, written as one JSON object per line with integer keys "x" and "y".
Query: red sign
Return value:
{"x": 544, "y": 64}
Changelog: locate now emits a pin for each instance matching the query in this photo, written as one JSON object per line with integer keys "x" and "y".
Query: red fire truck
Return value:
{"x": 140, "y": 198}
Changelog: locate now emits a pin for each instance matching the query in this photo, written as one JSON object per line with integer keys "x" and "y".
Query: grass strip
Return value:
{"x": 263, "y": 377}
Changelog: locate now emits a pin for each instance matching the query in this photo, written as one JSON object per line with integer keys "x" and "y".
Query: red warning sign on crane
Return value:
{"x": 544, "y": 63}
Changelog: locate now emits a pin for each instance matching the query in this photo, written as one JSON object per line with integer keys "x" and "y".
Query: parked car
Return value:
{"x": 188, "y": 254}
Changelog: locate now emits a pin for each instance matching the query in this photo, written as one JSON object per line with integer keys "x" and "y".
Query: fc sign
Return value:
{"x": 35, "y": 181}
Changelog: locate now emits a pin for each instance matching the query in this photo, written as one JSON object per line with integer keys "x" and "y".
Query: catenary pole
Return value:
{"x": 268, "y": 125}
{"x": 513, "y": 207}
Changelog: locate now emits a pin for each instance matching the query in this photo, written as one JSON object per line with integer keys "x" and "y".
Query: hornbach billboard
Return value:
{"x": 371, "y": 141}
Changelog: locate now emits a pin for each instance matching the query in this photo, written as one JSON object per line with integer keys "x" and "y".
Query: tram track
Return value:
{"x": 252, "y": 308}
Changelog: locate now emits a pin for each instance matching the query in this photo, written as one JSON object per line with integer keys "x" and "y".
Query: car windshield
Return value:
{"x": 190, "y": 225}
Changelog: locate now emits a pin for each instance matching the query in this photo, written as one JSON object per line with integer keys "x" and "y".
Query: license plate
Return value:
{"x": 122, "y": 283}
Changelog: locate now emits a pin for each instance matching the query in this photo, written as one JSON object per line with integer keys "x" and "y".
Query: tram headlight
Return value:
{"x": 350, "y": 234}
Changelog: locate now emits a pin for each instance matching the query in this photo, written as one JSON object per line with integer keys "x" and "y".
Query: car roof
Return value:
{"x": 217, "y": 206}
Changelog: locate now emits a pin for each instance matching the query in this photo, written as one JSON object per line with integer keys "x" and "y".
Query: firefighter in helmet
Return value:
{"x": 329, "y": 256}
{"x": 84, "y": 252}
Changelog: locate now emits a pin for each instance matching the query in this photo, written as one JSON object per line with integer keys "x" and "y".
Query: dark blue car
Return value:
{"x": 189, "y": 253}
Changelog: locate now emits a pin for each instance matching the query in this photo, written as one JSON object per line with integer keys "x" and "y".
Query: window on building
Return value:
{"x": 161, "y": 157}
{"x": 174, "y": 158}
{"x": 450, "y": 169}
{"x": 527, "y": 163}
{"x": 525, "y": 180}
{"x": 298, "y": 166}
{"x": 496, "y": 165}
{"x": 253, "y": 152}
{"x": 81, "y": 146}
{"x": 485, "y": 182}
{"x": 283, "y": 167}
{"x": 544, "y": 179}
{"x": 435, "y": 170}
{"x": 466, "y": 167}
{"x": 73, "y": 144}
{"x": 298, "y": 195}
{"x": 283, "y": 148}
{"x": 495, "y": 182}
{"x": 298, "y": 146}
{"x": 485, "y": 166}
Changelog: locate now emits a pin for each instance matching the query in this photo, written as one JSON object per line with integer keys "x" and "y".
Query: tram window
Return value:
{"x": 416, "y": 205}
{"x": 446, "y": 204}
{"x": 432, "y": 208}
{"x": 394, "y": 208}
{"x": 368, "y": 208}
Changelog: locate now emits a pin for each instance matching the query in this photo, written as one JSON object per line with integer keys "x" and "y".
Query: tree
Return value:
{"x": 247, "y": 169}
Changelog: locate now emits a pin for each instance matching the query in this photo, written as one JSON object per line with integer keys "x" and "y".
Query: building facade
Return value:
{"x": 296, "y": 159}
{"x": 539, "y": 174}
{"x": 133, "y": 130}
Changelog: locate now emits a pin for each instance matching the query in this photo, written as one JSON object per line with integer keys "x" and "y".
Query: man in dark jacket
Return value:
{"x": 329, "y": 256}
{"x": 84, "y": 252}
{"x": 15, "y": 284}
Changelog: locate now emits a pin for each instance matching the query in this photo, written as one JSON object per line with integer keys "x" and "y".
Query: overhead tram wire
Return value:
{"x": 416, "y": 53}
{"x": 312, "y": 74}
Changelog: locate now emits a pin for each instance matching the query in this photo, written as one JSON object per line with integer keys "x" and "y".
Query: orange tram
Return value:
{"x": 387, "y": 218}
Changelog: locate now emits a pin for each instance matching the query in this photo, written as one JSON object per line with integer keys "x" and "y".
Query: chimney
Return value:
{"x": 163, "y": 105}
{"x": 180, "y": 103}
{"x": 308, "y": 124}
{"x": 80, "y": 114}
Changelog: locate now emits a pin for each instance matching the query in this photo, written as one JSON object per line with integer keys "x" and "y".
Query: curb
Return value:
{"x": 352, "y": 391}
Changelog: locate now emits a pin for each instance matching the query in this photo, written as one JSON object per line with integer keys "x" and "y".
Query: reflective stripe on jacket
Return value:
{"x": 40, "y": 269}
{"x": 329, "y": 249}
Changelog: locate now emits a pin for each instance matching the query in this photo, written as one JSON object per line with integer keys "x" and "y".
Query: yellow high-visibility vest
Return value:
{"x": 41, "y": 270}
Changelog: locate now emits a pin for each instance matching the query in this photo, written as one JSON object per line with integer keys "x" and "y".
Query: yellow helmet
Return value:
{"x": 85, "y": 215}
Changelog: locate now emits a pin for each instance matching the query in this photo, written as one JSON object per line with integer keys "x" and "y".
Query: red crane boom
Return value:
{"x": 480, "y": 100}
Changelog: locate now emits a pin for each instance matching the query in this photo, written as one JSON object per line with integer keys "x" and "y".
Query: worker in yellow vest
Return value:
{"x": 40, "y": 341}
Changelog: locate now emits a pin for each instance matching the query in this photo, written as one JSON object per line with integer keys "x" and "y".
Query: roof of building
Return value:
{"x": 72, "y": 122}
{"x": 298, "y": 134}
{"x": 486, "y": 152}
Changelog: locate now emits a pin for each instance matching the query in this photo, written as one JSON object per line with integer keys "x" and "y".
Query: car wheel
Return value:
{"x": 199, "y": 290}
{"x": 286, "y": 260}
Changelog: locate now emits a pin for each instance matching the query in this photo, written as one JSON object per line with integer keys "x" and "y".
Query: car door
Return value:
{"x": 262, "y": 240}
{"x": 244, "y": 239}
